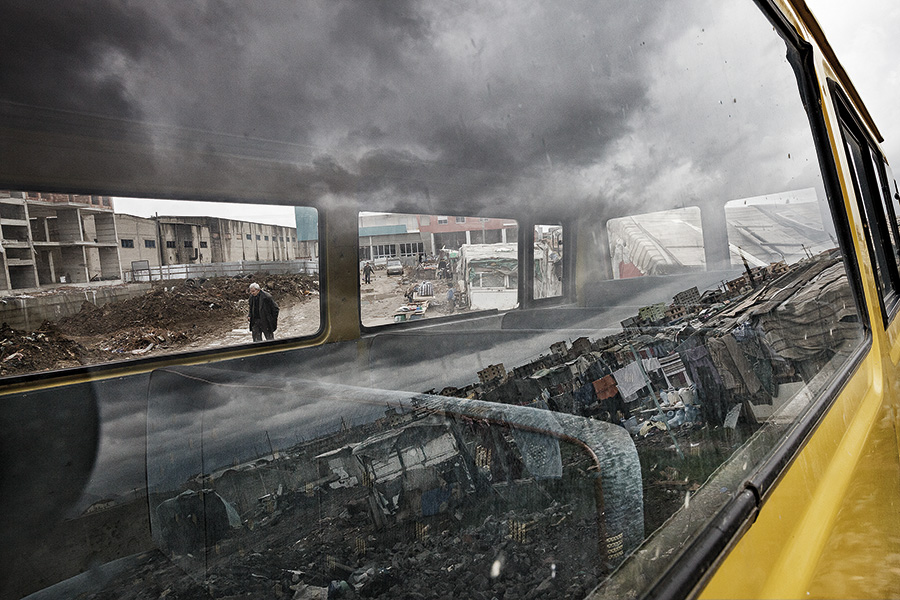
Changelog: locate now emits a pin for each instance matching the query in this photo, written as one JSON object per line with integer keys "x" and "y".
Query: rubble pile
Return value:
{"x": 322, "y": 544}
{"x": 512, "y": 555}
{"x": 143, "y": 339}
{"x": 184, "y": 304}
{"x": 692, "y": 385}
{"x": 168, "y": 317}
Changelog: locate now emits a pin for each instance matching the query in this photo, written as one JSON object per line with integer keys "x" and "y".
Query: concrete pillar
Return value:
{"x": 51, "y": 266}
{"x": 4, "y": 273}
{"x": 469, "y": 237}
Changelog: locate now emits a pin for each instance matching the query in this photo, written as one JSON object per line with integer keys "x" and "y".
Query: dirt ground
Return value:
{"x": 174, "y": 316}
{"x": 385, "y": 294}
{"x": 188, "y": 315}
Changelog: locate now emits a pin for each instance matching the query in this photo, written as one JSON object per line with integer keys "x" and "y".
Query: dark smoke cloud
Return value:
{"x": 57, "y": 55}
{"x": 462, "y": 106}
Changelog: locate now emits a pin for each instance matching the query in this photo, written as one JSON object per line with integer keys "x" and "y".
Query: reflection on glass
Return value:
{"x": 660, "y": 243}
{"x": 717, "y": 325}
{"x": 548, "y": 261}
{"x": 382, "y": 493}
{"x": 94, "y": 279}
{"x": 784, "y": 227}
{"x": 415, "y": 267}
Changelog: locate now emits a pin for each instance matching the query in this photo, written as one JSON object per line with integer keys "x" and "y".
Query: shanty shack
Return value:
{"x": 413, "y": 472}
{"x": 194, "y": 520}
{"x": 338, "y": 467}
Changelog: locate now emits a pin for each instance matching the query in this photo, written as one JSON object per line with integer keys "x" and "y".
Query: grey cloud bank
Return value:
{"x": 409, "y": 106}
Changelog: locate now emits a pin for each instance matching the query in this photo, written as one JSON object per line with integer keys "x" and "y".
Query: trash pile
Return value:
{"x": 515, "y": 555}
{"x": 184, "y": 304}
{"x": 168, "y": 317}
{"x": 496, "y": 559}
{"x": 143, "y": 339}
{"x": 24, "y": 352}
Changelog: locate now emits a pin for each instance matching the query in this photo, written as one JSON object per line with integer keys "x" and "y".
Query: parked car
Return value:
{"x": 394, "y": 266}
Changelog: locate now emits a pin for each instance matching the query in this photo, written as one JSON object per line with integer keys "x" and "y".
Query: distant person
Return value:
{"x": 263, "y": 314}
{"x": 367, "y": 272}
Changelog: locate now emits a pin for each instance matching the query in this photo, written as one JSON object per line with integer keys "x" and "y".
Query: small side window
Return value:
{"x": 879, "y": 223}
{"x": 415, "y": 267}
{"x": 548, "y": 261}
{"x": 112, "y": 254}
{"x": 889, "y": 199}
{"x": 666, "y": 242}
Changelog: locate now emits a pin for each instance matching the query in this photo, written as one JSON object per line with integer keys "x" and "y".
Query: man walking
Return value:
{"x": 263, "y": 314}
{"x": 367, "y": 272}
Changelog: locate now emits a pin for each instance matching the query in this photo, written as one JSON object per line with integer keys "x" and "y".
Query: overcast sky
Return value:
{"x": 255, "y": 213}
{"x": 865, "y": 35}
{"x": 467, "y": 108}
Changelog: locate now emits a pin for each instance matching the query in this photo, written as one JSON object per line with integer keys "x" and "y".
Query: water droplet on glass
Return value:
{"x": 495, "y": 569}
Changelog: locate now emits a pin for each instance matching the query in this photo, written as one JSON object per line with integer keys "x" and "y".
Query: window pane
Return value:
{"x": 409, "y": 263}
{"x": 889, "y": 203}
{"x": 162, "y": 296}
{"x": 785, "y": 227}
{"x": 878, "y": 233}
{"x": 548, "y": 261}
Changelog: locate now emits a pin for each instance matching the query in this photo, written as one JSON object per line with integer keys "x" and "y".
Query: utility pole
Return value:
{"x": 271, "y": 449}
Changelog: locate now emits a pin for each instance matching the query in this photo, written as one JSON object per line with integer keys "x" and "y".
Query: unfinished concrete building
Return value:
{"x": 492, "y": 372}
{"x": 56, "y": 238}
